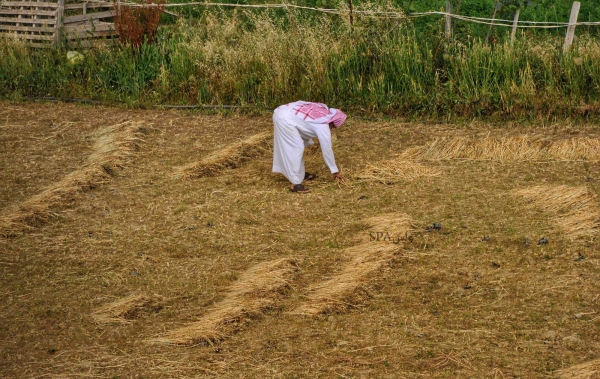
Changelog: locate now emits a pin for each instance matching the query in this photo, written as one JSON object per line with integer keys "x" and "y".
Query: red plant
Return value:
{"x": 134, "y": 23}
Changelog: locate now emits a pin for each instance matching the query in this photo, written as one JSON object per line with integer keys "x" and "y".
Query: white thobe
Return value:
{"x": 292, "y": 134}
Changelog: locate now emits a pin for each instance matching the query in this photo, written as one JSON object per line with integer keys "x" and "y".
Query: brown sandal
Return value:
{"x": 299, "y": 188}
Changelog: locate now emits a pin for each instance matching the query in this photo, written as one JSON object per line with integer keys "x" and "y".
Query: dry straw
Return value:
{"x": 111, "y": 151}
{"x": 130, "y": 307}
{"x": 573, "y": 209}
{"x": 248, "y": 298}
{"x": 507, "y": 149}
{"x": 587, "y": 370}
{"x": 576, "y": 149}
{"x": 397, "y": 169}
{"x": 230, "y": 157}
{"x": 349, "y": 287}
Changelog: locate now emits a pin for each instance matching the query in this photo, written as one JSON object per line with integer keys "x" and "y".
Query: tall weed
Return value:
{"x": 261, "y": 60}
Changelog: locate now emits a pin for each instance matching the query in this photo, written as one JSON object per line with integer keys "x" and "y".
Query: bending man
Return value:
{"x": 296, "y": 124}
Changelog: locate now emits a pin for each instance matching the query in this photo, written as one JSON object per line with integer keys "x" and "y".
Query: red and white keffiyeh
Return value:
{"x": 318, "y": 113}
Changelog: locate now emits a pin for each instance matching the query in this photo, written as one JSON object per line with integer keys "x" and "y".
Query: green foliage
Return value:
{"x": 257, "y": 59}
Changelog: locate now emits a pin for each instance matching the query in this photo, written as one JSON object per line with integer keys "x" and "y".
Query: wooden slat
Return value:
{"x": 38, "y": 37}
{"x": 92, "y": 2}
{"x": 41, "y": 29}
{"x": 29, "y": 4}
{"x": 89, "y": 16}
{"x": 104, "y": 26}
{"x": 89, "y": 5}
{"x": 43, "y": 21}
{"x": 27, "y": 12}
{"x": 79, "y": 24}
{"x": 60, "y": 12}
{"x": 90, "y": 35}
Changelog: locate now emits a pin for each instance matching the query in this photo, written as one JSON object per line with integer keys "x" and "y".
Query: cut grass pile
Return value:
{"x": 250, "y": 296}
{"x": 229, "y": 157}
{"x": 586, "y": 370}
{"x": 388, "y": 172}
{"x": 348, "y": 288}
{"x": 127, "y": 308}
{"x": 111, "y": 151}
{"x": 508, "y": 149}
{"x": 573, "y": 209}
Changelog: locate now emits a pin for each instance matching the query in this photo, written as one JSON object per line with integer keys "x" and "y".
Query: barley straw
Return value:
{"x": 576, "y": 149}
{"x": 247, "y": 299}
{"x": 229, "y": 157}
{"x": 397, "y": 169}
{"x": 130, "y": 307}
{"x": 110, "y": 153}
{"x": 350, "y": 286}
{"x": 573, "y": 209}
{"x": 586, "y": 370}
{"x": 507, "y": 149}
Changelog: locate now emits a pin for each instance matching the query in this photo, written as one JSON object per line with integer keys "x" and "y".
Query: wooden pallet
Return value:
{"x": 38, "y": 22}
{"x": 85, "y": 22}
{"x": 50, "y": 22}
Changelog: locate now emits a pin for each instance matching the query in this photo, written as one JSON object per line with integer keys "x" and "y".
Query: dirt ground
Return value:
{"x": 472, "y": 300}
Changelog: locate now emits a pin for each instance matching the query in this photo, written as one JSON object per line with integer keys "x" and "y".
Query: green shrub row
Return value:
{"x": 260, "y": 61}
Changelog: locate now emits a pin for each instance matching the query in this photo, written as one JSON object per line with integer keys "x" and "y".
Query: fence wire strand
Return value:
{"x": 381, "y": 14}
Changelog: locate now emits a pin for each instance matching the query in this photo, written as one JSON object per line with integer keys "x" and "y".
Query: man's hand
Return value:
{"x": 338, "y": 177}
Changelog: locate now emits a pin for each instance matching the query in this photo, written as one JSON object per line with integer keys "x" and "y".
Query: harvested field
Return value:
{"x": 123, "y": 310}
{"x": 574, "y": 209}
{"x": 205, "y": 264}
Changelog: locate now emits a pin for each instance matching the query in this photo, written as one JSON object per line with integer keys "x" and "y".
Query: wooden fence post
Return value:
{"x": 513, "y": 34}
{"x": 496, "y": 9}
{"x": 571, "y": 28}
{"x": 448, "y": 19}
{"x": 59, "y": 15}
{"x": 351, "y": 16}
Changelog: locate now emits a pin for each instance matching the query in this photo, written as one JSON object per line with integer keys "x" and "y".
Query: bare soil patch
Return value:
{"x": 472, "y": 297}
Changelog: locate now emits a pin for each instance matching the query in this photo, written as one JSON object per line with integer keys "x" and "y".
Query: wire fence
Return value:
{"x": 383, "y": 14}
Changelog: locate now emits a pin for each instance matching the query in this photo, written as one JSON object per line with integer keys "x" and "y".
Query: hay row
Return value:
{"x": 111, "y": 151}
{"x": 350, "y": 287}
{"x": 247, "y": 299}
{"x": 507, "y": 149}
{"x": 587, "y": 370}
{"x": 230, "y": 157}
{"x": 573, "y": 209}
{"x": 388, "y": 172}
{"x": 128, "y": 308}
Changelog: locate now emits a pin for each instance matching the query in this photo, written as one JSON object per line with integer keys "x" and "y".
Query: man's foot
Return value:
{"x": 299, "y": 188}
{"x": 309, "y": 176}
